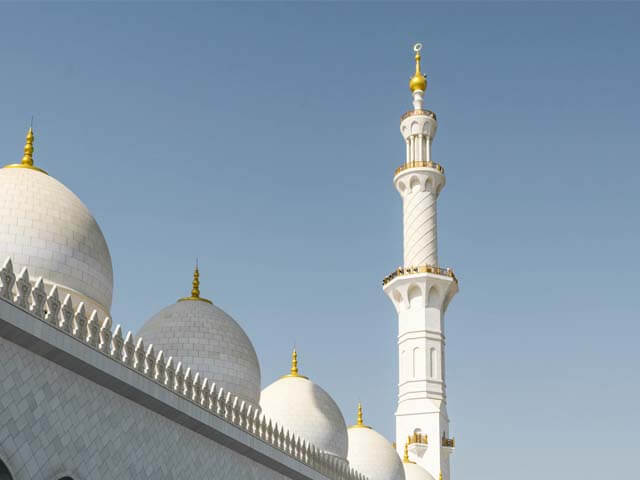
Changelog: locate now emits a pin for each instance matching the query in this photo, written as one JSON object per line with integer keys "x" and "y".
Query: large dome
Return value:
{"x": 47, "y": 228}
{"x": 371, "y": 454}
{"x": 302, "y": 407}
{"x": 207, "y": 340}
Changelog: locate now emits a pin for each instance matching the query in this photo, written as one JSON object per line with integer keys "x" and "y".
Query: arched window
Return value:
{"x": 66, "y": 478}
{"x": 4, "y": 472}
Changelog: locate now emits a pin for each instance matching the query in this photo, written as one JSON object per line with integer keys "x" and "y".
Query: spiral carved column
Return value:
{"x": 420, "y": 233}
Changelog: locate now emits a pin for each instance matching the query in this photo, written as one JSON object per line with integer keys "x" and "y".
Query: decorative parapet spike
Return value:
{"x": 93, "y": 330}
{"x": 105, "y": 336}
{"x": 138, "y": 356}
{"x": 159, "y": 368}
{"x": 54, "y": 305}
{"x": 24, "y": 289}
{"x": 400, "y": 271}
{"x": 150, "y": 362}
{"x": 66, "y": 322}
{"x": 39, "y": 298}
{"x": 130, "y": 352}
{"x": 80, "y": 323}
{"x": 8, "y": 278}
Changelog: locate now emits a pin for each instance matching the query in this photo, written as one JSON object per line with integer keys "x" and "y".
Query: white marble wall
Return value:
{"x": 55, "y": 422}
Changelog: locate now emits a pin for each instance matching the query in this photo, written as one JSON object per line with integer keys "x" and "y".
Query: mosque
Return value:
{"x": 182, "y": 398}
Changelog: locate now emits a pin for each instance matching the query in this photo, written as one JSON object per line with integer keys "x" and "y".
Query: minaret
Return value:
{"x": 420, "y": 291}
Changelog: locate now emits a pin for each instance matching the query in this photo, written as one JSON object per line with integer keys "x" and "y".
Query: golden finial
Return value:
{"x": 359, "y": 421}
{"x": 294, "y": 365}
{"x": 195, "y": 288}
{"x": 440, "y": 475}
{"x": 27, "y": 158}
{"x": 418, "y": 81}
{"x": 405, "y": 458}
{"x": 195, "y": 291}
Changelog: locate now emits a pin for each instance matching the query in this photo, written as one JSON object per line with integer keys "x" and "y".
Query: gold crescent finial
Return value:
{"x": 195, "y": 287}
{"x": 27, "y": 158}
{"x": 418, "y": 81}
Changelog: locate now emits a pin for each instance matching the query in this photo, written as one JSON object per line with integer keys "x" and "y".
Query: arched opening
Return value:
{"x": 66, "y": 478}
{"x": 415, "y": 296}
{"x": 5, "y": 474}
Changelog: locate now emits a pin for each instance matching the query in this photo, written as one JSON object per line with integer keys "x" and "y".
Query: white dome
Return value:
{"x": 46, "y": 228}
{"x": 372, "y": 455}
{"x": 413, "y": 471}
{"x": 207, "y": 340}
{"x": 302, "y": 407}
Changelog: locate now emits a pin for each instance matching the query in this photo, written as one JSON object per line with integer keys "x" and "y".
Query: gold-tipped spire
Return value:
{"x": 440, "y": 476}
{"x": 27, "y": 158}
{"x": 359, "y": 421}
{"x": 405, "y": 458}
{"x": 195, "y": 288}
{"x": 418, "y": 81}
{"x": 294, "y": 366}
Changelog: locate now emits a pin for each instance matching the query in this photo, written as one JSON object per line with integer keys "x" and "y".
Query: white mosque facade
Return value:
{"x": 181, "y": 399}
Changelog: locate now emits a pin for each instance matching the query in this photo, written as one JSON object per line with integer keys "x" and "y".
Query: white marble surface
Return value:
{"x": 206, "y": 339}
{"x": 306, "y": 409}
{"x": 373, "y": 455}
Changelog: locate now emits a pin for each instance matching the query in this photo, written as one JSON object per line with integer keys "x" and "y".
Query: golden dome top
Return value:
{"x": 195, "y": 288}
{"x": 27, "y": 158}
{"x": 418, "y": 81}
{"x": 294, "y": 366}
{"x": 359, "y": 422}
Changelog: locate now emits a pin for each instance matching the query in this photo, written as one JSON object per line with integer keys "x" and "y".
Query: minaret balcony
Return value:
{"x": 413, "y": 113}
{"x": 418, "y": 444}
{"x": 402, "y": 271}
{"x": 448, "y": 444}
{"x": 432, "y": 165}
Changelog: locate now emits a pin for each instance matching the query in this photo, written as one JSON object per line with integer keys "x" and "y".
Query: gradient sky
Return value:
{"x": 262, "y": 138}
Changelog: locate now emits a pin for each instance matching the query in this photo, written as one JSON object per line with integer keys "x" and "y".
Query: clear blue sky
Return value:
{"x": 263, "y": 139}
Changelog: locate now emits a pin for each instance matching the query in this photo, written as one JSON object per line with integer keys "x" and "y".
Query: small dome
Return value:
{"x": 371, "y": 454}
{"x": 50, "y": 231}
{"x": 413, "y": 471}
{"x": 302, "y": 407}
{"x": 204, "y": 338}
